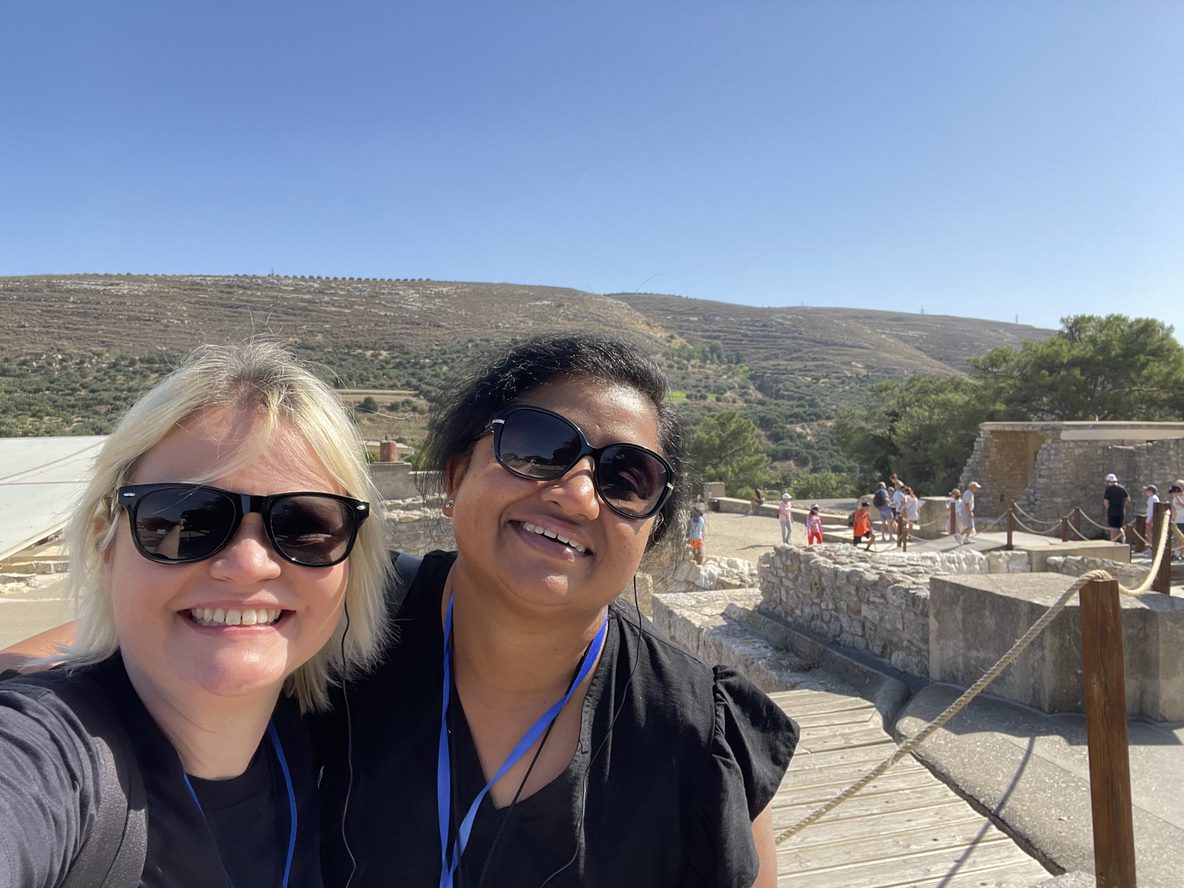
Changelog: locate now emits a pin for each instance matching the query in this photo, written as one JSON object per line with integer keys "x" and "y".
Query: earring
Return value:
{"x": 448, "y": 504}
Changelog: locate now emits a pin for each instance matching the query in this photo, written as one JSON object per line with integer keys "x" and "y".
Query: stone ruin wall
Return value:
{"x": 1000, "y": 463}
{"x": 879, "y": 605}
{"x": 1067, "y": 473}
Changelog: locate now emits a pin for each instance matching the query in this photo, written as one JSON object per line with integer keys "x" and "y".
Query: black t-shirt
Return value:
{"x": 49, "y": 775}
{"x": 664, "y": 798}
{"x": 1115, "y": 496}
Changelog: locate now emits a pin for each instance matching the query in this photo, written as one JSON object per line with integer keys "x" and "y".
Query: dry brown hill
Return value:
{"x": 76, "y": 348}
{"x": 831, "y": 345}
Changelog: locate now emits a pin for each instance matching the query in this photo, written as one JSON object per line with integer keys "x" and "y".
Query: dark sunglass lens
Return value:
{"x": 631, "y": 478}
{"x": 311, "y": 529}
{"x": 183, "y": 524}
{"x": 537, "y": 445}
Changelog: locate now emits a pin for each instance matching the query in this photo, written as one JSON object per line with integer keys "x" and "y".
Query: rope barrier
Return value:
{"x": 1027, "y": 529}
{"x": 977, "y": 688}
{"x": 1036, "y": 520}
{"x": 1094, "y": 523}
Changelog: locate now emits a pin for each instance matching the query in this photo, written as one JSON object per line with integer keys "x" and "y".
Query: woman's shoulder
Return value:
{"x": 50, "y": 766}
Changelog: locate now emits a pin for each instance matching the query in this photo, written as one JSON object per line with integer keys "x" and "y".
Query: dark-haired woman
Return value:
{"x": 526, "y": 731}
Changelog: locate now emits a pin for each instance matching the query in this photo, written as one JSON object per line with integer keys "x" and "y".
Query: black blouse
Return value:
{"x": 674, "y": 761}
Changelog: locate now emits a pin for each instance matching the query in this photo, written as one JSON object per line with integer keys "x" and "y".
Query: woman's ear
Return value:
{"x": 454, "y": 473}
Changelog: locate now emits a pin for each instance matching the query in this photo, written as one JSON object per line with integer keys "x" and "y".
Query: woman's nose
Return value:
{"x": 249, "y": 556}
{"x": 575, "y": 491}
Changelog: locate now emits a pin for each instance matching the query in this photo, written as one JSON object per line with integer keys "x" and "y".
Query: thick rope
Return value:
{"x": 977, "y": 688}
{"x": 1036, "y": 520}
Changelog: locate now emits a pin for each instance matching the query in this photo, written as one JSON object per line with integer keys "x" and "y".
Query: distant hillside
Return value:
{"x": 76, "y": 349}
{"x": 789, "y": 348}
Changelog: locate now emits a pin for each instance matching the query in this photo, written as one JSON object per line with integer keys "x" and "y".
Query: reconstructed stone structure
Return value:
{"x": 1047, "y": 468}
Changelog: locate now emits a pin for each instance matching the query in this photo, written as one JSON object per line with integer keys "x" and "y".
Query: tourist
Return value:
{"x": 954, "y": 508}
{"x": 785, "y": 518}
{"x": 898, "y": 500}
{"x": 967, "y": 509}
{"x": 861, "y": 526}
{"x": 1114, "y": 502}
{"x": 697, "y": 533}
{"x": 910, "y": 515}
{"x": 758, "y": 500}
{"x": 882, "y": 500}
{"x": 1152, "y": 493}
{"x": 213, "y": 554}
{"x": 814, "y": 525}
{"x": 565, "y": 741}
{"x": 1177, "y": 513}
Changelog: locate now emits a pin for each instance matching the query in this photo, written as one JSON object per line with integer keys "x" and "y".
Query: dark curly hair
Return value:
{"x": 521, "y": 366}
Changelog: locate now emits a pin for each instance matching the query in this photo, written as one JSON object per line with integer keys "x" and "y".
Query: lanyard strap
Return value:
{"x": 274, "y": 736}
{"x": 444, "y": 765}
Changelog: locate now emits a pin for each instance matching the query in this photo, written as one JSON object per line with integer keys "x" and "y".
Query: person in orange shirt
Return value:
{"x": 862, "y": 526}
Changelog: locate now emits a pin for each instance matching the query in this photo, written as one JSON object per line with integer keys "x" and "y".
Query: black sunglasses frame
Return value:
{"x": 131, "y": 496}
{"x": 498, "y": 423}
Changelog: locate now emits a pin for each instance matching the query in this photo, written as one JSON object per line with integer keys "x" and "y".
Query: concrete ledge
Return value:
{"x": 735, "y": 505}
{"x": 697, "y": 622}
{"x": 1119, "y": 552}
{"x": 1030, "y": 771}
{"x": 974, "y": 620}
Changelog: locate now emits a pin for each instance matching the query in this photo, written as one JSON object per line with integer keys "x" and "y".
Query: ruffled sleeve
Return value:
{"x": 751, "y": 745}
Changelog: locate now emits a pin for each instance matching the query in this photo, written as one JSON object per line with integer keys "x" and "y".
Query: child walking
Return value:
{"x": 814, "y": 525}
{"x": 697, "y": 532}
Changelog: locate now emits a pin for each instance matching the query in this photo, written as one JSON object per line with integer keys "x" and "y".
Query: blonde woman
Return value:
{"x": 221, "y": 543}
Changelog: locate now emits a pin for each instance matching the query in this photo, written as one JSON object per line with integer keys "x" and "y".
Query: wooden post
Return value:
{"x": 1065, "y": 529}
{"x": 1077, "y": 521}
{"x": 1163, "y": 579}
{"x": 903, "y": 533}
{"x": 1105, "y": 714}
{"x": 1010, "y": 526}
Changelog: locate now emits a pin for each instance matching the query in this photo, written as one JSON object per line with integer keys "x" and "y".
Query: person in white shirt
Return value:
{"x": 967, "y": 506}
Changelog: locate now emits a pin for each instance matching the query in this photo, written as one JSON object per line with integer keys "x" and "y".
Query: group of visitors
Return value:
{"x": 899, "y": 509}
{"x": 1114, "y": 502}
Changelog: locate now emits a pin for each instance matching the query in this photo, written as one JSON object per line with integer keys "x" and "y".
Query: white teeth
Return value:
{"x": 251, "y": 616}
{"x": 552, "y": 535}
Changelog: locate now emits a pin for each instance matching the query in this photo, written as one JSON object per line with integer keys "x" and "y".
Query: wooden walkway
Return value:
{"x": 905, "y": 829}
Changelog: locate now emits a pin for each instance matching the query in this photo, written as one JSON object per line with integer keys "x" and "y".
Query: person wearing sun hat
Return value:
{"x": 785, "y": 518}
{"x": 1114, "y": 503}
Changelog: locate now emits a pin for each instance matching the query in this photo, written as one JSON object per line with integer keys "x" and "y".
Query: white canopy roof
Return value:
{"x": 41, "y": 480}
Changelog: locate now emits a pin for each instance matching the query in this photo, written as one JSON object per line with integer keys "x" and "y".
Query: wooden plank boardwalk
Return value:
{"x": 905, "y": 829}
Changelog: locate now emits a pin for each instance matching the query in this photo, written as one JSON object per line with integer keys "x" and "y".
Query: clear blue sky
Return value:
{"x": 991, "y": 159}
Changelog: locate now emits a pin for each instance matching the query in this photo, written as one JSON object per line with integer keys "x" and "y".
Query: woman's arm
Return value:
{"x": 766, "y": 849}
{"x": 44, "y": 645}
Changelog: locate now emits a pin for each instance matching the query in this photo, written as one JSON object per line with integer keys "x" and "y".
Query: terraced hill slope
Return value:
{"x": 76, "y": 349}
{"x": 830, "y": 345}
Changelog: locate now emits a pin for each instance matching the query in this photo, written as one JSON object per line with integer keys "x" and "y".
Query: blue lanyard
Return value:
{"x": 279, "y": 754}
{"x": 444, "y": 765}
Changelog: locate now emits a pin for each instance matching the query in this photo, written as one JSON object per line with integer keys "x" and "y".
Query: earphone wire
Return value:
{"x": 349, "y": 756}
{"x": 600, "y": 747}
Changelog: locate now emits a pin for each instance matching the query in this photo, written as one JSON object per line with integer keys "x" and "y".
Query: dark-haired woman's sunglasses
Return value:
{"x": 181, "y": 523}
{"x": 540, "y": 445}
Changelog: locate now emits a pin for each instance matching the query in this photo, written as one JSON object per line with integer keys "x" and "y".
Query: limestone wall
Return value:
{"x": 870, "y": 602}
{"x": 1048, "y": 476}
{"x": 416, "y": 526}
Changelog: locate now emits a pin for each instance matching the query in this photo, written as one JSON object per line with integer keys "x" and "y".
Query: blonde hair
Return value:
{"x": 266, "y": 378}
